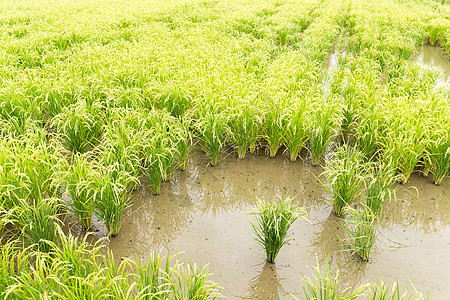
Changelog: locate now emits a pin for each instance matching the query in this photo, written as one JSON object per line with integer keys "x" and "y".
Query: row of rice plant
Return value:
{"x": 326, "y": 285}
{"x": 74, "y": 269}
{"x": 107, "y": 87}
{"x": 348, "y": 176}
{"x": 89, "y": 108}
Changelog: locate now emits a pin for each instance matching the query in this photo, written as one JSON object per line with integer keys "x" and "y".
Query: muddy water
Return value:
{"x": 434, "y": 57}
{"x": 203, "y": 211}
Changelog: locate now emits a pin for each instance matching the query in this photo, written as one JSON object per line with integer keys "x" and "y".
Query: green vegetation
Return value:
{"x": 326, "y": 286}
{"x": 380, "y": 181}
{"x": 271, "y": 224}
{"x": 345, "y": 175}
{"x": 99, "y": 96}
{"x": 361, "y": 231}
{"x": 73, "y": 269}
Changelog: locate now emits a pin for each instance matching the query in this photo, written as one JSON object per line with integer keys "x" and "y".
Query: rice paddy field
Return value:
{"x": 163, "y": 149}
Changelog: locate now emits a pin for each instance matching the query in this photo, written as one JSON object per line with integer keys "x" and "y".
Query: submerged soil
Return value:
{"x": 203, "y": 211}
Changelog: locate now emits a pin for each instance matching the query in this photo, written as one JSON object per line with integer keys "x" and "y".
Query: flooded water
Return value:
{"x": 434, "y": 57}
{"x": 203, "y": 211}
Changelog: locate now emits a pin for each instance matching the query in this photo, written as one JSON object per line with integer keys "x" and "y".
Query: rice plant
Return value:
{"x": 322, "y": 130}
{"x": 274, "y": 125}
{"x": 165, "y": 135}
{"x": 380, "y": 180}
{"x": 38, "y": 222}
{"x": 123, "y": 140}
{"x": 296, "y": 134}
{"x": 379, "y": 291}
{"x": 326, "y": 286}
{"x": 345, "y": 175}
{"x": 187, "y": 281}
{"x": 29, "y": 168}
{"x": 75, "y": 269}
{"x": 211, "y": 129}
{"x": 411, "y": 157}
{"x": 405, "y": 139}
{"x": 244, "y": 123}
{"x": 271, "y": 224}
{"x": 361, "y": 231}
{"x": 183, "y": 141}
{"x": 80, "y": 125}
{"x": 78, "y": 181}
{"x": 111, "y": 187}
{"x": 439, "y": 153}
{"x": 367, "y": 134}
{"x": 153, "y": 163}
{"x": 10, "y": 253}
{"x": 150, "y": 277}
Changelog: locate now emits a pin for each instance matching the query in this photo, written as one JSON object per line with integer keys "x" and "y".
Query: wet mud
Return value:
{"x": 203, "y": 211}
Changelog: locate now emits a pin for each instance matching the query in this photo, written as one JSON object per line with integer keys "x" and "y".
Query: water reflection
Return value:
{"x": 419, "y": 205}
{"x": 155, "y": 220}
{"x": 326, "y": 244}
{"x": 352, "y": 269}
{"x": 266, "y": 285}
{"x": 434, "y": 58}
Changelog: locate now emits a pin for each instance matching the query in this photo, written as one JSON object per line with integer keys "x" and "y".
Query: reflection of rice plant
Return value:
{"x": 272, "y": 222}
{"x": 344, "y": 172}
{"x": 361, "y": 231}
{"x": 267, "y": 282}
{"x": 326, "y": 286}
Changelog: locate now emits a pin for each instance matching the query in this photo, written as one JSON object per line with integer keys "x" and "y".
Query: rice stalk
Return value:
{"x": 38, "y": 222}
{"x": 296, "y": 134}
{"x": 361, "y": 231}
{"x": 80, "y": 125}
{"x": 111, "y": 187}
{"x": 322, "y": 130}
{"x": 183, "y": 141}
{"x": 326, "y": 286}
{"x": 274, "y": 125}
{"x": 77, "y": 178}
{"x": 244, "y": 122}
{"x": 345, "y": 176}
{"x": 271, "y": 223}
{"x": 211, "y": 129}
{"x": 380, "y": 180}
{"x": 439, "y": 153}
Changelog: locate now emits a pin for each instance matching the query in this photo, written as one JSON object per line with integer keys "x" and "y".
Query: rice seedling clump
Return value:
{"x": 271, "y": 223}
